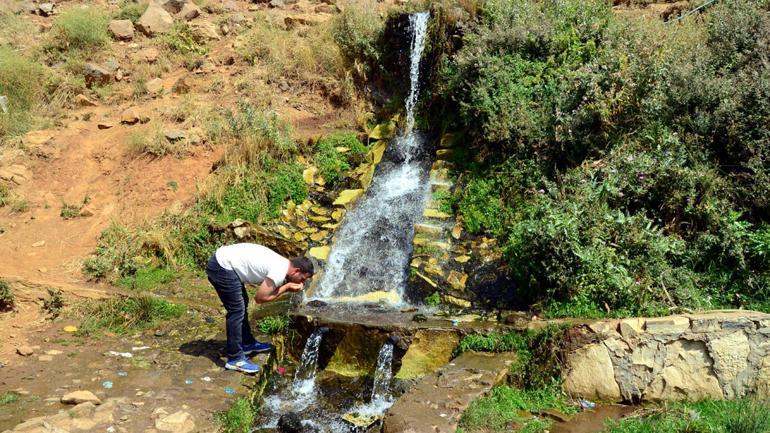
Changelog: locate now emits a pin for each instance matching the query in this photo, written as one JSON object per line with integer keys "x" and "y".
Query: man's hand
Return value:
{"x": 267, "y": 291}
{"x": 294, "y": 287}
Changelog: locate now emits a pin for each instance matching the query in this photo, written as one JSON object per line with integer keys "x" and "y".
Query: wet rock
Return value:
{"x": 317, "y": 304}
{"x": 25, "y": 350}
{"x": 95, "y": 74}
{"x": 348, "y": 197}
{"x": 78, "y": 397}
{"x": 155, "y": 20}
{"x": 4, "y": 104}
{"x": 320, "y": 253}
{"x": 419, "y": 317}
{"x": 122, "y": 30}
{"x": 83, "y": 101}
{"x": 290, "y": 423}
{"x": 177, "y": 422}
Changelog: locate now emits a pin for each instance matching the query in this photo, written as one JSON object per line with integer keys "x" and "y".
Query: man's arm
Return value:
{"x": 267, "y": 291}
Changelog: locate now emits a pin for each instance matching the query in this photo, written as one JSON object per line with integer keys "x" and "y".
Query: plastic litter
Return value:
{"x": 585, "y": 404}
{"x": 206, "y": 379}
{"x": 455, "y": 322}
{"x": 229, "y": 390}
{"x": 107, "y": 384}
{"x": 188, "y": 381}
{"x": 122, "y": 373}
{"x": 121, "y": 354}
{"x": 280, "y": 370}
{"x": 138, "y": 348}
{"x": 70, "y": 328}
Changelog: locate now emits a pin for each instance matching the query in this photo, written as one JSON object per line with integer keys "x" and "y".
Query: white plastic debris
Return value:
{"x": 121, "y": 354}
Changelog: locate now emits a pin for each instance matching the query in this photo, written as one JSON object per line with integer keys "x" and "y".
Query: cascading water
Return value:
{"x": 374, "y": 244}
{"x": 383, "y": 373}
{"x": 304, "y": 378}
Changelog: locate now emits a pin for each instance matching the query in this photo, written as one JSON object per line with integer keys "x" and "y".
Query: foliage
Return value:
{"x": 115, "y": 252}
{"x": 434, "y": 300}
{"x": 182, "y": 40}
{"x": 6, "y": 296}
{"x": 621, "y": 164}
{"x": 54, "y": 303}
{"x": 238, "y": 419}
{"x": 333, "y": 163}
{"x": 357, "y": 31}
{"x": 273, "y": 325}
{"x": 125, "y": 315}
{"x": 154, "y": 144}
{"x": 9, "y": 397}
{"x": 147, "y": 278}
{"x": 505, "y": 404}
{"x": 730, "y": 416}
{"x": 79, "y": 29}
{"x": 21, "y": 82}
{"x": 130, "y": 10}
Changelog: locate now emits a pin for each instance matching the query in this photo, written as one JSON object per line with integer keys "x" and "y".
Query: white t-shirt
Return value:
{"x": 253, "y": 263}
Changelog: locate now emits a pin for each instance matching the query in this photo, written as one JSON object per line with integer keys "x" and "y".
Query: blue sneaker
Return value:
{"x": 256, "y": 347}
{"x": 242, "y": 364}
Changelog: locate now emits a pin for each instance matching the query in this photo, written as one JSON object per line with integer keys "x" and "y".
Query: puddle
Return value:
{"x": 592, "y": 421}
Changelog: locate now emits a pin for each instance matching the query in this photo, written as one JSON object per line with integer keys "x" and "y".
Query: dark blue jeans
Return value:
{"x": 233, "y": 295}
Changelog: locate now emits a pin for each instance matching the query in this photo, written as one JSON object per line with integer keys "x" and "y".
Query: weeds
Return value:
{"x": 54, "y": 304}
{"x": 238, "y": 419}
{"x": 273, "y": 325}
{"x": 130, "y": 10}
{"x": 21, "y": 81}
{"x": 182, "y": 40}
{"x": 330, "y": 159}
{"x": 153, "y": 143}
{"x": 79, "y": 29}
{"x": 70, "y": 211}
{"x": 6, "y": 296}
{"x": 434, "y": 300}
{"x": 147, "y": 279}
{"x": 8, "y": 397}
{"x": 125, "y": 315}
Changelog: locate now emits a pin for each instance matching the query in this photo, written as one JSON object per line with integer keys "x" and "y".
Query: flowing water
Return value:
{"x": 383, "y": 373}
{"x": 304, "y": 378}
{"x": 374, "y": 244}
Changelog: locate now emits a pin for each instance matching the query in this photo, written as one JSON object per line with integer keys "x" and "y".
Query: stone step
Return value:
{"x": 431, "y": 229}
{"x": 440, "y": 186}
{"x": 440, "y": 163}
{"x": 435, "y": 214}
{"x": 444, "y": 154}
{"x": 466, "y": 378}
{"x": 440, "y": 175}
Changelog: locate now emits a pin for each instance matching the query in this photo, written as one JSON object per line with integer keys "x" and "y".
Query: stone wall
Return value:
{"x": 715, "y": 355}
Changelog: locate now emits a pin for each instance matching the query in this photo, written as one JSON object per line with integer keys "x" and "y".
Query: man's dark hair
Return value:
{"x": 303, "y": 264}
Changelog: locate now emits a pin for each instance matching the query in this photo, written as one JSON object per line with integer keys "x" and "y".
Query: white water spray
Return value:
{"x": 383, "y": 373}
{"x": 304, "y": 378}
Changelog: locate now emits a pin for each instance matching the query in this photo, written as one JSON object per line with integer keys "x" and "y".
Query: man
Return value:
{"x": 229, "y": 270}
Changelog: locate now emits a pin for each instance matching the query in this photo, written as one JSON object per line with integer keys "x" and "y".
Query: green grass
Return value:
{"x": 238, "y": 419}
{"x": 182, "y": 40}
{"x": 129, "y": 10}
{"x": 8, "y": 397}
{"x": 80, "y": 29}
{"x": 273, "y": 325}
{"x": 434, "y": 300}
{"x": 21, "y": 80}
{"x": 734, "y": 416}
{"x": 147, "y": 279}
{"x": 124, "y": 315}
{"x": 505, "y": 404}
{"x": 6, "y": 296}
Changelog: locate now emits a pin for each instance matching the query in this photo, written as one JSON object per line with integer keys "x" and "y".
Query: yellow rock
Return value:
{"x": 319, "y": 219}
{"x": 330, "y": 226}
{"x": 310, "y": 230}
{"x": 321, "y": 253}
{"x": 337, "y": 214}
{"x": 456, "y": 301}
{"x": 284, "y": 231}
{"x": 318, "y": 210}
{"x": 435, "y": 213}
{"x": 301, "y": 223}
{"x": 462, "y": 259}
{"x": 457, "y": 231}
{"x": 70, "y": 328}
{"x": 377, "y": 151}
{"x": 376, "y": 296}
{"x": 383, "y": 131}
{"x": 309, "y": 174}
{"x": 342, "y": 149}
{"x": 367, "y": 176}
{"x": 430, "y": 350}
{"x": 457, "y": 280}
{"x": 317, "y": 237}
{"x": 446, "y": 140}
{"x": 427, "y": 280}
{"x": 299, "y": 236}
{"x": 444, "y": 154}
{"x": 348, "y": 196}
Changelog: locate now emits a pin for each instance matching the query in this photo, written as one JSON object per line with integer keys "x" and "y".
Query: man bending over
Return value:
{"x": 229, "y": 270}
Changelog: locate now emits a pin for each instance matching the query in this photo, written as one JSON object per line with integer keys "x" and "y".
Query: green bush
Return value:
{"x": 238, "y": 419}
{"x": 6, "y": 296}
{"x": 21, "y": 81}
{"x": 357, "y": 31}
{"x": 130, "y": 10}
{"x": 79, "y": 29}
{"x": 147, "y": 278}
{"x": 331, "y": 162}
{"x": 273, "y": 325}
{"x": 182, "y": 40}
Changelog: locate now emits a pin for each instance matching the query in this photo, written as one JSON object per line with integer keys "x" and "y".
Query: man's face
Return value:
{"x": 298, "y": 276}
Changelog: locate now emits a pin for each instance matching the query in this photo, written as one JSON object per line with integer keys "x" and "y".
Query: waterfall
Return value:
{"x": 304, "y": 378}
{"x": 383, "y": 373}
{"x": 374, "y": 244}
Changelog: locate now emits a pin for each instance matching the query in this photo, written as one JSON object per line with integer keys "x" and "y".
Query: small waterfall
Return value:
{"x": 304, "y": 378}
{"x": 383, "y": 373}
{"x": 374, "y": 244}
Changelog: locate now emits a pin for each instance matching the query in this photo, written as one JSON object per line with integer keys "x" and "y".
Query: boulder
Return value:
{"x": 155, "y": 20}
{"x": 204, "y": 30}
{"x": 154, "y": 87}
{"x": 134, "y": 115}
{"x": 149, "y": 55}
{"x": 190, "y": 11}
{"x": 79, "y": 397}
{"x": 83, "y": 101}
{"x": 95, "y": 74}
{"x": 687, "y": 374}
{"x": 46, "y": 9}
{"x": 173, "y": 6}
{"x": 590, "y": 374}
{"x": 177, "y": 422}
{"x": 122, "y": 30}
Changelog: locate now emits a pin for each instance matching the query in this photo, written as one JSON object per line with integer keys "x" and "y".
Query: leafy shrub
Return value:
{"x": 21, "y": 82}
{"x": 238, "y": 419}
{"x": 182, "y": 40}
{"x": 6, "y": 296}
{"x": 273, "y": 325}
{"x": 115, "y": 252}
{"x": 126, "y": 314}
{"x": 331, "y": 162}
{"x": 434, "y": 300}
{"x": 54, "y": 303}
{"x": 130, "y": 10}
{"x": 9, "y": 397}
{"x": 79, "y": 29}
{"x": 357, "y": 31}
